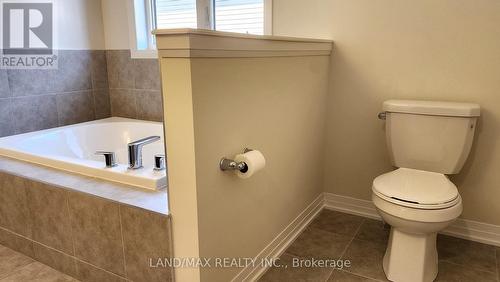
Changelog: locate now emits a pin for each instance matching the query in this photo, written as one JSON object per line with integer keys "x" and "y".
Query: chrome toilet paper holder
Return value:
{"x": 229, "y": 164}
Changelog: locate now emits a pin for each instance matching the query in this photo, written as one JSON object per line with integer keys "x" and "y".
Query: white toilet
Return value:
{"x": 425, "y": 140}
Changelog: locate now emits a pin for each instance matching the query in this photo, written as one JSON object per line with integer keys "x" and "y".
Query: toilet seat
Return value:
{"x": 416, "y": 189}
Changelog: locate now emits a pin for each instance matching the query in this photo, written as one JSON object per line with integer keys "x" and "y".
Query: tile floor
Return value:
{"x": 16, "y": 267}
{"x": 331, "y": 235}
{"x": 338, "y": 235}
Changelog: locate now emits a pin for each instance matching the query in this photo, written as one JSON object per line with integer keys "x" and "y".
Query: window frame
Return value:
{"x": 140, "y": 18}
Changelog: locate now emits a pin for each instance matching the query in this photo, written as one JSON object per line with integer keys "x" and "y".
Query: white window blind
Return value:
{"x": 175, "y": 13}
{"x": 244, "y": 16}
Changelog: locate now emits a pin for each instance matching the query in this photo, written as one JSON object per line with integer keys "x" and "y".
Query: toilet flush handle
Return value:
{"x": 382, "y": 115}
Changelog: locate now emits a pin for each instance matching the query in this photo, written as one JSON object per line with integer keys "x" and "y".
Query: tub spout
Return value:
{"x": 135, "y": 151}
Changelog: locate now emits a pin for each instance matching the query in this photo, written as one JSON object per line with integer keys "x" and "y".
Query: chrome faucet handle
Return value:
{"x": 109, "y": 158}
{"x": 135, "y": 151}
{"x": 159, "y": 162}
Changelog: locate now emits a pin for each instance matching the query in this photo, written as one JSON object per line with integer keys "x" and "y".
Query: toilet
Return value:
{"x": 426, "y": 141}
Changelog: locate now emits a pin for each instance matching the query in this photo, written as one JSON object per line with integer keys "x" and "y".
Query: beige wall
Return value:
{"x": 427, "y": 49}
{"x": 275, "y": 105}
{"x": 116, "y": 24}
{"x": 79, "y": 25}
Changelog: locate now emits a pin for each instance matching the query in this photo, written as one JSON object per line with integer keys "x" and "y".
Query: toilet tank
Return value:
{"x": 430, "y": 135}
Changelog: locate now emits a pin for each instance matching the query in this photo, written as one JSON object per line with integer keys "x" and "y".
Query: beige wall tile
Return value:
{"x": 146, "y": 235}
{"x": 14, "y": 214}
{"x": 55, "y": 259}
{"x": 50, "y": 216}
{"x": 16, "y": 242}
{"x": 97, "y": 232}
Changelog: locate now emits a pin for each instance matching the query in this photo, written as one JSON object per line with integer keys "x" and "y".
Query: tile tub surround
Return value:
{"x": 337, "y": 235}
{"x": 134, "y": 86}
{"x": 88, "y": 85}
{"x": 77, "y": 91}
{"x": 82, "y": 235}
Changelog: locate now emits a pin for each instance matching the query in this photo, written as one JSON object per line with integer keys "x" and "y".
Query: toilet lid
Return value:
{"x": 416, "y": 187}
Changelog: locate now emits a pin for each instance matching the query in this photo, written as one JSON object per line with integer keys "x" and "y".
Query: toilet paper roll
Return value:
{"x": 255, "y": 161}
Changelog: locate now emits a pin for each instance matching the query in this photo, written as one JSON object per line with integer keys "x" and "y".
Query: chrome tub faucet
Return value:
{"x": 135, "y": 151}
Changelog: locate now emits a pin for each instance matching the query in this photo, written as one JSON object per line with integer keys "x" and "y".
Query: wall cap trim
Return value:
{"x": 199, "y": 43}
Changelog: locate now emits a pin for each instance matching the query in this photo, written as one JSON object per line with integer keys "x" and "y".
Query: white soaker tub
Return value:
{"x": 72, "y": 148}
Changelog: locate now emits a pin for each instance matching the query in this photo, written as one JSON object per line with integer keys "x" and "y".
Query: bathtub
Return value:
{"x": 72, "y": 148}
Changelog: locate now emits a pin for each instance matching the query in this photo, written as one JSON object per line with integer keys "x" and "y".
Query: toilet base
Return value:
{"x": 411, "y": 257}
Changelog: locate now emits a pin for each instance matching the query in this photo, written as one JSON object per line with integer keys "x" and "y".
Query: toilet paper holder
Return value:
{"x": 229, "y": 164}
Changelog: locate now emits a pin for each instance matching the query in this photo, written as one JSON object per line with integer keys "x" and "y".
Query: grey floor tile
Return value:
{"x": 449, "y": 272}
{"x": 37, "y": 272}
{"x": 459, "y": 260}
{"x": 288, "y": 272}
{"x": 317, "y": 243}
{"x": 366, "y": 258}
{"x": 467, "y": 253}
{"x": 337, "y": 222}
{"x": 343, "y": 276}
{"x": 11, "y": 261}
{"x": 373, "y": 230}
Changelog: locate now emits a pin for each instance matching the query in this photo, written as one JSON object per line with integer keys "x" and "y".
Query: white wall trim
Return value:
{"x": 462, "y": 228}
{"x": 351, "y": 205}
{"x": 284, "y": 239}
{"x": 185, "y": 42}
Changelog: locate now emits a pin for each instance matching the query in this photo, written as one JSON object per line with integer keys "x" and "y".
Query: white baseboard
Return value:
{"x": 462, "y": 228}
{"x": 351, "y": 205}
{"x": 284, "y": 239}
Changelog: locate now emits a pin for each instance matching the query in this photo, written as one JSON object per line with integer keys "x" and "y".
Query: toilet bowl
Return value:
{"x": 426, "y": 140}
{"x": 411, "y": 253}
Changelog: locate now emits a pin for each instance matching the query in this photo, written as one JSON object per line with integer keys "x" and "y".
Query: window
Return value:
{"x": 242, "y": 16}
{"x": 175, "y": 13}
